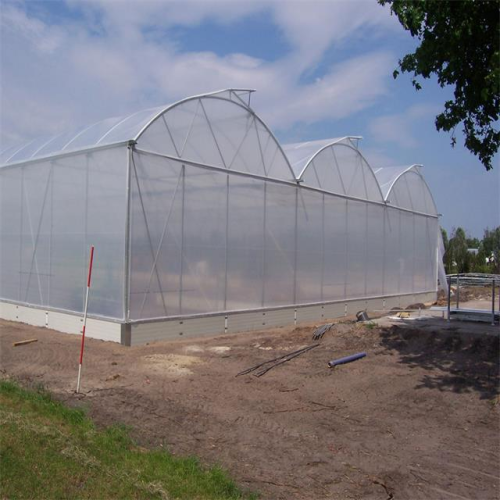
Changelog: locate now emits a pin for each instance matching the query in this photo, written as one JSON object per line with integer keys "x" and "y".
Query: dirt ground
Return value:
{"x": 418, "y": 418}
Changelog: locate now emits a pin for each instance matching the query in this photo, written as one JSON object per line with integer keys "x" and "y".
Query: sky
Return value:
{"x": 321, "y": 69}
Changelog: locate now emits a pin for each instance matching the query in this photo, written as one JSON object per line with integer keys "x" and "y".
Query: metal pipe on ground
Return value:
{"x": 346, "y": 359}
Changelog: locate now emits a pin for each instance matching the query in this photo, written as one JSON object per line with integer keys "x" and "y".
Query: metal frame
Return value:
{"x": 340, "y": 142}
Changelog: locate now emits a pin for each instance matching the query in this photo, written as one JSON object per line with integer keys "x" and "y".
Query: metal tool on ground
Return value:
{"x": 346, "y": 359}
{"x": 277, "y": 361}
{"x": 321, "y": 330}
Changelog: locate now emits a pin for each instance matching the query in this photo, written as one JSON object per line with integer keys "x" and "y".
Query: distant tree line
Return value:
{"x": 471, "y": 255}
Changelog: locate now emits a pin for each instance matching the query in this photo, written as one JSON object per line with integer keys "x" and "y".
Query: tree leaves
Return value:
{"x": 459, "y": 44}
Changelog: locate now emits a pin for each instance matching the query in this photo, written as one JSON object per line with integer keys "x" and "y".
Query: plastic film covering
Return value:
{"x": 405, "y": 187}
{"x": 205, "y": 211}
{"x": 51, "y": 213}
{"x": 106, "y": 132}
{"x": 216, "y": 131}
{"x": 205, "y": 241}
{"x": 337, "y": 166}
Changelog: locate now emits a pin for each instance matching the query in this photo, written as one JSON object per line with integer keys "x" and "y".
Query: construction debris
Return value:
{"x": 321, "y": 330}
{"x": 24, "y": 342}
{"x": 276, "y": 361}
{"x": 362, "y": 316}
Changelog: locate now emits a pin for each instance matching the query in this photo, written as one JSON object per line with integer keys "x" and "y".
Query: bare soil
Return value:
{"x": 418, "y": 418}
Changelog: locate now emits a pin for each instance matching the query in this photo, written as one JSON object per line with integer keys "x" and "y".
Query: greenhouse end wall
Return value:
{"x": 51, "y": 213}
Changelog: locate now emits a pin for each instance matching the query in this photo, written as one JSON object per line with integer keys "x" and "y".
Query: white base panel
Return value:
{"x": 179, "y": 328}
{"x": 62, "y": 322}
{"x": 141, "y": 333}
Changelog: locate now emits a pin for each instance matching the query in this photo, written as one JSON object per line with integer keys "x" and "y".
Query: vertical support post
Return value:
{"x": 264, "y": 240}
{"x": 346, "y": 274}
{"x": 493, "y": 302}
{"x": 127, "y": 263}
{"x": 384, "y": 236}
{"x": 226, "y": 247}
{"x": 21, "y": 236}
{"x": 436, "y": 272}
{"x": 181, "y": 277}
{"x": 85, "y": 217}
{"x": 51, "y": 226}
{"x": 449, "y": 300}
{"x": 413, "y": 267}
{"x": 365, "y": 293}
{"x": 91, "y": 261}
{"x": 400, "y": 253}
{"x": 458, "y": 290}
{"x": 322, "y": 246}
{"x": 295, "y": 260}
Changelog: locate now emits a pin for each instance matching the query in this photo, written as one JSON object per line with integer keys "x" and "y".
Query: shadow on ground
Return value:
{"x": 456, "y": 361}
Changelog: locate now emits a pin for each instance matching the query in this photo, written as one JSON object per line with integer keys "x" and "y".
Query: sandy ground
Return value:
{"x": 418, "y": 418}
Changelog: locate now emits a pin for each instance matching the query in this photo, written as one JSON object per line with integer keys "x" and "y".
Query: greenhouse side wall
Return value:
{"x": 207, "y": 241}
{"x": 50, "y": 213}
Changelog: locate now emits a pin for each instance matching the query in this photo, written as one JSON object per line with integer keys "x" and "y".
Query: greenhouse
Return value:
{"x": 203, "y": 223}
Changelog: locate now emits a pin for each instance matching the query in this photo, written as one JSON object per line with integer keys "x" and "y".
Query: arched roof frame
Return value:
{"x": 411, "y": 170}
{"x": 347, "y": 143}
{"x": 120, "y": 130}
{"x": 238, "y": 101}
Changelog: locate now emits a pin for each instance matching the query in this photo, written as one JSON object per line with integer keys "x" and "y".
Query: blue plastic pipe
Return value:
{"x": 347, "y": 359}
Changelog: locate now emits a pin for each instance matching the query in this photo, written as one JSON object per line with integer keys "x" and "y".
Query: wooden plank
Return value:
{"x": 24, "y": 342}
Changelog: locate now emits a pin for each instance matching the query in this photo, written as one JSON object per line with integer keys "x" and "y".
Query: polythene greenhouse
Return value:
{"x": 203, "y": 223}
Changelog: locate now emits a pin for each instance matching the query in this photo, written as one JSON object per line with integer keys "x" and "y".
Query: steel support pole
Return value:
{"x": 85, "y": 218}
{"x": 264, "y": 242}
{"x": 181, "y": 277}
{"x": 51, "y": 225}
{"x": 384, "y": 236}
{"x": 322, "y": 246}
{"x": 493, "y": 303}
{"x": 346, "y": 274}
{"x": 295, "y": 260}
{"x": 449, "y": 301}
{"x": 365, "y": 257}
{"x": 458, "y": 291}
{"x": 126, "y": 266}
{"x": 21, "y": 231}
{"x": 226, "y": 246}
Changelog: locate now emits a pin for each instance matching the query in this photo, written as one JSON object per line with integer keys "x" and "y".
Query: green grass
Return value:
{"x": 49, "y": 451}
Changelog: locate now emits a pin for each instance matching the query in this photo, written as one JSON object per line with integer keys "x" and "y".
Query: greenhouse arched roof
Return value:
{"x": 219, "y": 128}
{"x": 334, "y": 165}
{"x": 405, "y": 187}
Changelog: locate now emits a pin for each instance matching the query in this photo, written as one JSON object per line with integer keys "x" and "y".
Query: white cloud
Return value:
{"x": 59, "y": 75}
{"x": 401, "y": 128}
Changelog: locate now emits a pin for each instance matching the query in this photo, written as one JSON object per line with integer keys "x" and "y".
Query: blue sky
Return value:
{"x": 322, "y": 69}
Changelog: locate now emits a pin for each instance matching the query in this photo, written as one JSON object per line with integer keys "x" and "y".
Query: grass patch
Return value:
{"x": 370, "y": 325}
{"x": 48, "y": 450}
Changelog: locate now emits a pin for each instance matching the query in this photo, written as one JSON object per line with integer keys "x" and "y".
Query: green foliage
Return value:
{"x": 459, "y": 259}
{"x": 50, "y": 451}
{"x": 460, "y": 45}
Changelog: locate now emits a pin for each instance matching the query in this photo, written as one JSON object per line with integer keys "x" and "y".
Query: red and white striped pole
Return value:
{"x": 85, "y": 318}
